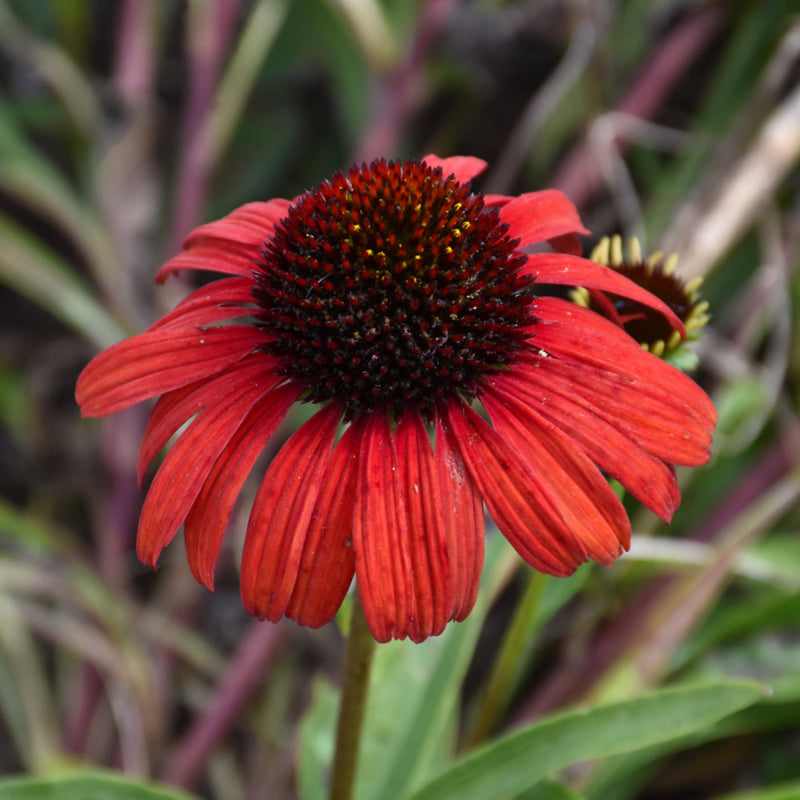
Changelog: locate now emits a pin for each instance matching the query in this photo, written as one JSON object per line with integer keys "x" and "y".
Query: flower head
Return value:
{"x": 395, "y": 299}
{"x": 657, "y": 275}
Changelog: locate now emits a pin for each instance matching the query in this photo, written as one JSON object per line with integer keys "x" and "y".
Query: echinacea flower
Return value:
{"x": 657, "y": 275}
{"x": 397, "y": 300}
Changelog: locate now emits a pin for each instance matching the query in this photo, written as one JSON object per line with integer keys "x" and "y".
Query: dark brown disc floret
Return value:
{"x": 391, "y": 286}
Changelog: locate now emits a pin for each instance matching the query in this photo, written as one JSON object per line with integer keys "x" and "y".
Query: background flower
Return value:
{"x": 658, "y": 275}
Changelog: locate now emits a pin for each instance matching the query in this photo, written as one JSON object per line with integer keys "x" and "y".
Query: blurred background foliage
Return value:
{"x": 125, "y": 123}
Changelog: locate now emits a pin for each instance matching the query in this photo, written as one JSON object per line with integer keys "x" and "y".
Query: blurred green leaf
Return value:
{"x": 737, "y": 403}
{"x": 621, "y": 777}
{"x": 739, "y": 618}
{"x": 27, "y": 530}
{"x": 514, "y": 762}
{"x": 15, "y": 405}
{"x": 548, "y": 790}
{"x": 53, "y": 64}
{"x": 785, "y": 791}
{"x": 316, "y": 741}
{"x": 543, "y": 596}
{"x": 746, "y": 50}
{"x": 32, "y": 180}
{"x": 26, "y": 702}
{"x": 84, "y": 786}
{"x": 31, "y": 268}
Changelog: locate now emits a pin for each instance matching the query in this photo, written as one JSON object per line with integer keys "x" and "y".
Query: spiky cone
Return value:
{"x": 658, "y": 275}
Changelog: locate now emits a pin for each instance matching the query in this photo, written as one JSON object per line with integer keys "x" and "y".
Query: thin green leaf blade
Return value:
{"x": 84, "y": 786}
{"x": 38, "y": 273}
{"x": 782, "y": 791}
{"x": 515, "y": 762}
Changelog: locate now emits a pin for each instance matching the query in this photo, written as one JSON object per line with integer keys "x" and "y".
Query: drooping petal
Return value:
{"x": 159, "y": 361}
{"x": 625, "y": 382}
{"x": 568, "y": 270}
{"x": 464, "y": 168}
{"x": 540, "y": 216}
{"x": 205, "y": 524}
{"x": 231, "y": 245}
{"x": 219, "y": 300}
{"x": 615, "y": 451}
{"x": 515, "y": 497}
{"x": 653, "y": 422}
{"x": 380, "y": 534}
{"x": 431, "y": 579}
{"x": 177, "y": 407}
{"x": 187, "y": 465}
{"x": 464, "y": 523}
{"x": 169, "y": 412}
{"x": 279, "y": 522}
{"x": 418, "y": 546}
{"x": 327, "y": 562}
{"x": 580, "y": 494}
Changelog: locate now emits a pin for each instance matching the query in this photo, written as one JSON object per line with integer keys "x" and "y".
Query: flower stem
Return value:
{"x": 358, "y": 660}
{"x": 505, "y": 672}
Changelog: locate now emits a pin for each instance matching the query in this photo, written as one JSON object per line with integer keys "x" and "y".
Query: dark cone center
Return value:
{"x": 644, "y": 324}
{"x": 390, "y": 286}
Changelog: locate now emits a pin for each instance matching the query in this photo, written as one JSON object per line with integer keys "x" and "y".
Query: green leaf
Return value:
{"x": 316, "y": 741}
{"x": 517, "y": 761}
{"x": 622, "y": 777}
{"x": 84, "y": 786}
{"x": 783, "y": 791}
{"x": 31, "y": 179}
{"x": 26, "y": 702}
{"x": 36, "y": 272}
{"x": 549, "y": 790}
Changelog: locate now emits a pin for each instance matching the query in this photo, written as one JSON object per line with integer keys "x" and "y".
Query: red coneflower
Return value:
{"x": 657, "y": 275}
{"x": 396, "y": 299}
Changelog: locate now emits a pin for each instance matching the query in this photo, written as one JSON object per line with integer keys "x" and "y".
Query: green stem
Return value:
{"x": 358, "y": 660}
{"x": 505, "y": 671}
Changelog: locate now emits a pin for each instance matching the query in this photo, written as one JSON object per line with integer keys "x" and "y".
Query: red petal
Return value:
{"x": 569, "y": 243}
{"x": 327, "y": 563}
{"x": 175, "y": 408}
{"x": 581, "y": 496}
{"x": 159, "y": 361}
{"x": 251, "y": 224}
{"x": 170, "y": 411}
{"x": 277, "y": 532}
{"x": 213, "y": 255}
{"x": 539, "y": 216}
{"x": 464, "y": 168}
{"x": 568, "y": 270}
{"x": 222, "y": 299}
{"x": 462, "y": 509}
{"x": 658, "y": 423}
{"x": 187, "y": 465}
{"x": 498, "y": 200}
{"x": 231, "y": 245}
{"x": 580, "y": 337}
{"x": 615, "y": 451}
{"x": 205, "y": 524}
{"x": 384, "y": 563}
{"x": 519, "y": 505}
{"x": 430, "y": 581}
